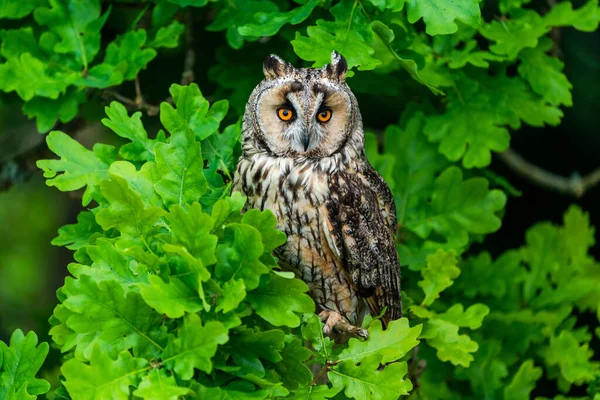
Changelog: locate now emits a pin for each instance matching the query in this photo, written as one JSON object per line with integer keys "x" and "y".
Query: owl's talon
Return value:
{"x": 335, "y": 321}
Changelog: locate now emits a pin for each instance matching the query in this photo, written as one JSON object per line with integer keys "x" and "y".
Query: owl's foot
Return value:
{"x": 335, "y": 321}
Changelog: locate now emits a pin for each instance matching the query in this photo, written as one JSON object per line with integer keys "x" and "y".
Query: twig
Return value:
{"x": 320, "y": 374}
{"x": 139, "y": 99}
{"x": 187, "y": 76}
{"x": 574, "y": 185}
{"x": 416, "y": 367}
{"x": 151, "y": 109}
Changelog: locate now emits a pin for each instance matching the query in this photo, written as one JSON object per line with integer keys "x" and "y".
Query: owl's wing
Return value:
{"x": 361, "y": 226}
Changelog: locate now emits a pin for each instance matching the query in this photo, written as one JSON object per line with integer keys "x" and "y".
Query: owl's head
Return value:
{"x": 301, "y": 112}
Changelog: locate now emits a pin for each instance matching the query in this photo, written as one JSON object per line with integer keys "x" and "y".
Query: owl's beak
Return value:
{"x": 306, "y": 140}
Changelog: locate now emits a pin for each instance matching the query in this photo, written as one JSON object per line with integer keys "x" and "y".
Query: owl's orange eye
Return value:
{"x": 324, "y": 115}
{"x": 285, "y": 114}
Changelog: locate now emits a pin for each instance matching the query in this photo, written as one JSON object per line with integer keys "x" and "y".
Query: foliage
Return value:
{"x": 19, "y": 363}
{"x": 176, "y": 294}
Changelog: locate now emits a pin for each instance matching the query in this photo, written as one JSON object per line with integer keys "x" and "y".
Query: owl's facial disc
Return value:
{"x": 304, "y": 117}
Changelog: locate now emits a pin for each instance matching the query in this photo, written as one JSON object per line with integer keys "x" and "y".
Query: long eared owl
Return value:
{"x": 303, "y": 158}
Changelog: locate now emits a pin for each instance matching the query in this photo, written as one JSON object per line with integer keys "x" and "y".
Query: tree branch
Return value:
{"x": 575, "y": 185}
{"x": 137, "y": 104}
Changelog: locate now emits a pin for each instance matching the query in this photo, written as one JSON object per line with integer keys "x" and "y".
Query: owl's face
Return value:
{"x": 302, "y": 112}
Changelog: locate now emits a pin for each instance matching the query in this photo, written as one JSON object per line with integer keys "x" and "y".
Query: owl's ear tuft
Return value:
{"x": 274, "y": 67}
{"x": 337, "y": 68}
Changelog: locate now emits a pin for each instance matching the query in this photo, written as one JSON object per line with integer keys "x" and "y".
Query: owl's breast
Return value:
{"x": 289, "y": 188}
{"x": 298, "y": 194}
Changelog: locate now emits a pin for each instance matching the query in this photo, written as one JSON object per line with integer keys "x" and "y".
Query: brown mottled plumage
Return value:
{"x": 337, "y": 212}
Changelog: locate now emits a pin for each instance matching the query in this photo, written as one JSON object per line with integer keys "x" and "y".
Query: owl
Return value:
{"x": 303, "y": 158}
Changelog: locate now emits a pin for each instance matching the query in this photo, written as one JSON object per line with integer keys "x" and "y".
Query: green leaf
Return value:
{"x": 488, "y": 370}
{"x": 192, "y": 115}
{"x": 491, "y": 278}
{"x": 523, "y": 382}
{"x": 312, "y": 331}
{"x": 157, "y": 385}
{"x": 460, "y": 208}
{"x": 173, "y": 299}
{"x": 392, "y": 344}
{"x": 77, "y": 24}
{"x": 180, "y": 166}
{"x": 468, "y": 129}
{"x": 349, "y": 35}
{"x": 291, "y": 368}
{"x": 194, "y": 347}
{"x": 14, "y": 9}
{"x": 544, "y": 74}
{"x": 29, "y": 77}
{"x": 102, "y": 76}
{"x": 366, "y": 381}
{"x": 234, "y": 292}
{"x": 438, "y": 275}
{"x": 21, "y": 394}
{"x": 387, "y": 37}
{"x": 249, "y": 346}
{"x": 77, "y": 235}
{"x": 440, "y": 15}
{"x": 472, "y": 317}
{"x": 236, "y": 13}
{"x": 266, "y": 223}
{"x": 586, "y": 18}
{"x": 110, "y": 264}
{"x": 140, "y": 182}
{"x": 192, "y": 228}
{"x": 193, "y": 271}
{"x": 117, "y": 318}
{"x": 168, "y": 36}
{"x": 315, "y": 392}
{"x": 572, "y": 359}
{"x": 129, "y": 54}
{"x": 577, "y": 234}
{"x": 218, "y": 150}
{"x": 228, "y": 209}
{"x": 47, "y": 111}
{"x": 268, "y": 24}
{"x": 18, "y": 41}
{"x": 441, "y": 331}
{"x": 80, "y": 166}
{"x": 126, "y": 211}
{"x": 466, "y": 55}
{"x": 19, "y": 364}
{"x": 477, "y": 112}
{"x": 508, "y": 5}
{"x": 238, "y": 256}
{"x": 513, "y": 35}
{"x": 393, "y": 5}
{"x": 280, "y": 300}
{"x": 104, "y": 378}
{"x": 130, "y": 128}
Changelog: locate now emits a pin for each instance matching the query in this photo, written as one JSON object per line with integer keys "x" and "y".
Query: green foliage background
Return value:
{"x": 174, "y": 294}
